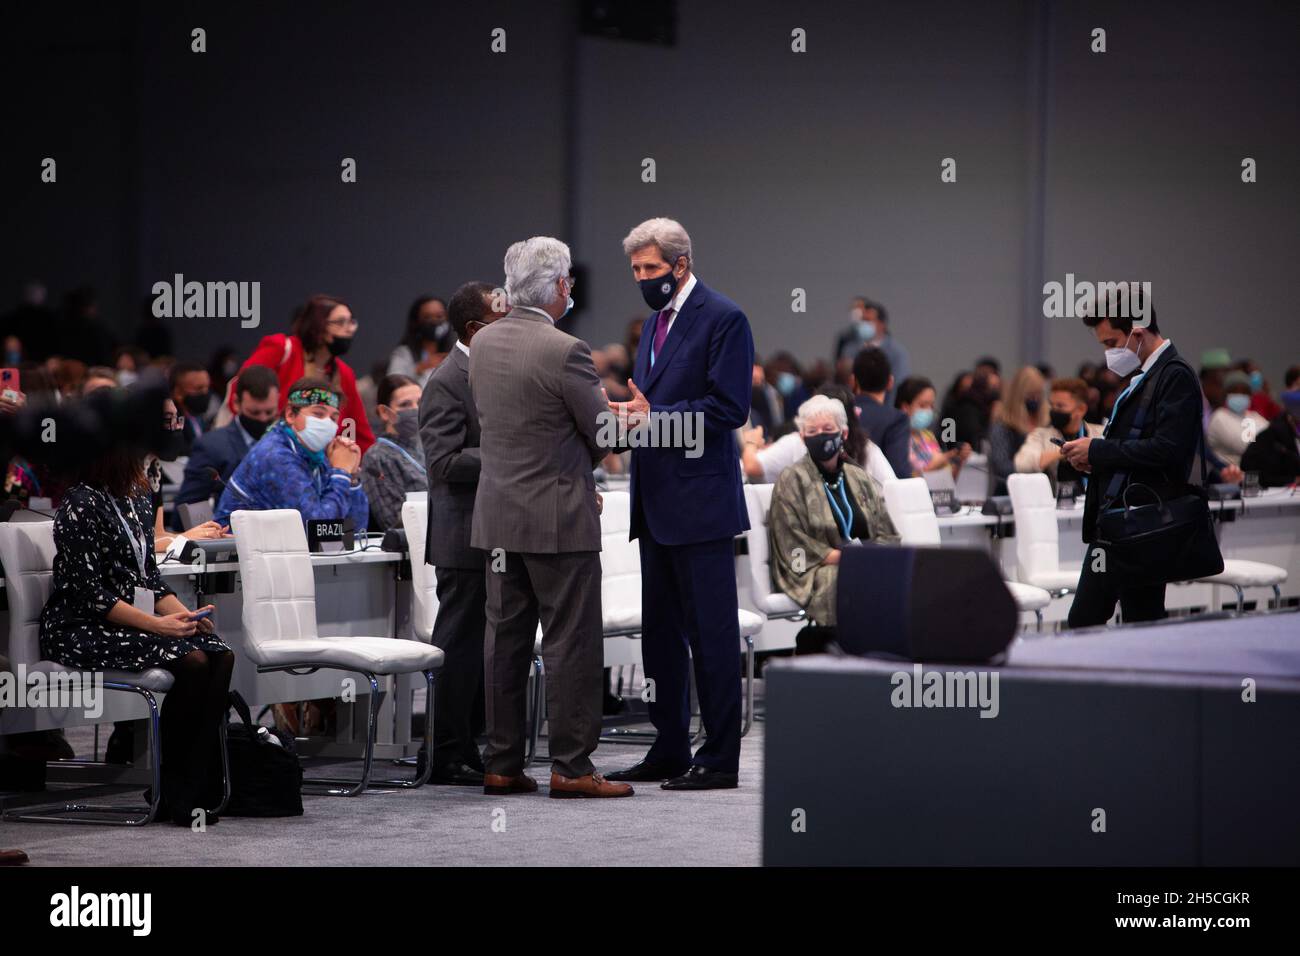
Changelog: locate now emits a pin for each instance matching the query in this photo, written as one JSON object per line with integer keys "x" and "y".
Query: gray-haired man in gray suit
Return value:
{"x": 540, "y": 407}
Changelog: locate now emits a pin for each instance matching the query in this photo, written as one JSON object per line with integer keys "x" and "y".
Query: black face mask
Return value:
{"x": 339, "y": 345}
{"x": 171, "y": 445}
{"x": 256, "y": 429}
{"x": 196, "y": 404}
{"x": 1060, "y": 420}
{"x": 824, "y": 447}
{"x": 659, "y": 291}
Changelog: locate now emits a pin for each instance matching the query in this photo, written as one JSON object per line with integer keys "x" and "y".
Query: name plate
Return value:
{"x": 944, "y": 501}
{"x": 330, "y": 535}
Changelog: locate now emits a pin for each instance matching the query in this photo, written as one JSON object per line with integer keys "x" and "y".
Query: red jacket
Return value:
{"x": 289, "y": 364}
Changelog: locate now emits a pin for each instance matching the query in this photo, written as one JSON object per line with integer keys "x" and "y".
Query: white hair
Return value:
{"x": 665, "y": 234}
{"x": 820, "y": 406}
{"x": 532, "y": 266}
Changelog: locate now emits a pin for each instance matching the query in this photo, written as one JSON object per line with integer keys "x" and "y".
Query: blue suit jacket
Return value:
{"x": 220, "y": 450}
{"x": 706, "y": 366}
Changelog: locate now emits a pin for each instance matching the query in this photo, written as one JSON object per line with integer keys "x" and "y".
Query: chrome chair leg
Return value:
{"x": 748, "y": 721}
{"x": 136, "y": 816}
{"x": 1038, "y": 615}
{"x": 1241, "y": 598}
{"x": 1277, "y": 597}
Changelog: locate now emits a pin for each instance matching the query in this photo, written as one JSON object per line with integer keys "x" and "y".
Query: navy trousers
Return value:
{"x": 688, "y": 611}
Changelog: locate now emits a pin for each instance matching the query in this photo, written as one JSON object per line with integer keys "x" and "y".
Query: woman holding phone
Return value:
{"x": 111, "y": 610}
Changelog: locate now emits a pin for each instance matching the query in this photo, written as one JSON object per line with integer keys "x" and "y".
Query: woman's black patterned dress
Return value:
{"x": 95, "y": 567}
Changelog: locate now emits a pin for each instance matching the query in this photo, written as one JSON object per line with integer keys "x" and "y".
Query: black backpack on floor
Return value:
{"x": 265, "y": 776}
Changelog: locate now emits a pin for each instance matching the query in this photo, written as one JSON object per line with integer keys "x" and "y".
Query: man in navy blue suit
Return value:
{"x": 217, "y": 453}
{"x": 692, "y": 377}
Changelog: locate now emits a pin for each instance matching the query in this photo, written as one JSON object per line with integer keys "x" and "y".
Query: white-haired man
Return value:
{"x": 539, "y": 404}
{"x": 696, "y": 358}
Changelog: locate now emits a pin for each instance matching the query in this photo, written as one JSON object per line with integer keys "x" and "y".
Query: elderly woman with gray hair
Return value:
{"x": 820, "y": 504}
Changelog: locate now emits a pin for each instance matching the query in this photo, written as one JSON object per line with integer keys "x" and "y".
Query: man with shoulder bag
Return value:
{"x": 1145, "y": 522}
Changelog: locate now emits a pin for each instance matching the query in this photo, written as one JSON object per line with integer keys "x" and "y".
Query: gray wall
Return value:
{"x": 818, "y": 171}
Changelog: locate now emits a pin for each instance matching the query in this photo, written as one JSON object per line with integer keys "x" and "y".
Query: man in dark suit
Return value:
{"x": 191, "y": 387}
{"x": 536, "y": 514}
{"x": 449, "y": 433}
{"x": 885, "y": 425}
{"x": 695, "y": 359}
{"x": 1161, "y": 456}
{"x": 216, "y": 454}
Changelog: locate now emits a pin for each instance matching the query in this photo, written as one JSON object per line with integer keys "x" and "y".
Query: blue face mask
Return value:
{"x": 1256, "y": 381}
{"x": 1238, "y": 402}
{"x": 922, "y": 419}
{"x": 786, "y": 382}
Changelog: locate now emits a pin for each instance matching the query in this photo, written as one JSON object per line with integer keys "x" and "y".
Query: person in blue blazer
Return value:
{"x": 692, "y": 384}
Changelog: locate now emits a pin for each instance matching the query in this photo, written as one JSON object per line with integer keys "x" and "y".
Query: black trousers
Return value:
{"x": 1098, "y": 592}
{"x": 458, "y": 691}
{"x": 191, "y": 715}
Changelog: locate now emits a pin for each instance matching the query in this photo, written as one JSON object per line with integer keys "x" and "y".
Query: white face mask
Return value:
{"x": 1121, "y": 361}
{"x": 316, "y": 433}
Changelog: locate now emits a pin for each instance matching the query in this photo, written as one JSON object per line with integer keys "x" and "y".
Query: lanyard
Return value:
{"x": 143, "y": 541}
{"x": 1114, "y": 409}
{"x": 845, "y": 520}
{"x": 409, "y": 456}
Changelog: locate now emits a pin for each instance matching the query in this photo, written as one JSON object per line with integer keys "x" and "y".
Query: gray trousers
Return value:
{"x": 563, "y": 592}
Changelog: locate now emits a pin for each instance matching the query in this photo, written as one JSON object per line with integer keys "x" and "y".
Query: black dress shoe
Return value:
{"x": 456, "y": 775}
{"x": 702, "y": 778}
{"x": 646, "y": 770}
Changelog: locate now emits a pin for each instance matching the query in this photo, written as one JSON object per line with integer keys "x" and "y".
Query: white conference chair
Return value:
{"x": 424, "y": 611}
{"x": 1239, "y": 575}
{"x": 774, "y": 604}
{"x": 279, "y": 615}
{"x": 1038, "y": 556}
{"x": 620, "y": 562}
{"x": 27, "y": 554}
{"x": 910, "y": 508}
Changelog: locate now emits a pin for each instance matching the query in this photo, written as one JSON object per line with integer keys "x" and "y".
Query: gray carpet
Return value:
{"x": 454, "y": 826}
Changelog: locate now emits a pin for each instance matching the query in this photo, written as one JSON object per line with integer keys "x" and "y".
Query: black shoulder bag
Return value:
{"x": 1148, "y": 539}
{"x": 265, "y": 776}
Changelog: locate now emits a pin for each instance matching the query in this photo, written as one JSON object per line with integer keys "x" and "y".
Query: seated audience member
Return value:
{"x": 110, "y": 609}
{"x": 916, "y": 400}
{"x": 394, "y": 464}
{"x": 191, "y": 389}
{"x": 427, "y": 340}
{"x": 821, "y": 504}
{"x": 765, "y": 409}
{"x": 884, "y": 424}
{"x": 764, "y": 463}
{"x": 1067, "y": 406}
{"x": 1261, "y": 395}
{"x": 216, "y": 454}
{"x": 97, "y": 377}
{"x": 971, "y": 408}
{"x": 170, "y": 444}
{"x": 1021, "y": 412}
{"x": 1233, "y": 426}
{"x": 321, "y": 334}
{"x": 869, "y": 328}
{"x": 783, "y": 372}
{"x": 302, "y": 463}
{"x": 1275, "y": 452}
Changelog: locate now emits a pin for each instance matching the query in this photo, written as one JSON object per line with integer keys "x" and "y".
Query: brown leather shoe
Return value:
{"x": 500, "y": 785}
{"x": 12, "y": 857}
{"x": 592, "y": 785}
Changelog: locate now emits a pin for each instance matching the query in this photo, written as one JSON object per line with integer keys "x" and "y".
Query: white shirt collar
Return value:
{"x": 533, "y": 308}
{"x": 1151, "y": 359}
{"x": 682, "y": 295}
{"x": 465, "y": 348}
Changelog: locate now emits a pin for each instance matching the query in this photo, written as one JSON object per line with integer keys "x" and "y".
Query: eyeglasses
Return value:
{"x": 348, "y": 323}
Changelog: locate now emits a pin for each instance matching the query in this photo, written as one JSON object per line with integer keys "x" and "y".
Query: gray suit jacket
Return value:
{"x": 450, "y": 435}
{"x": 539, "y": 402}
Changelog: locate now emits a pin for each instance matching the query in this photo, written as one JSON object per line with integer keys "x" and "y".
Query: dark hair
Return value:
{"x": 1075, "y": 386}
{"x": 1292, "y": 375}
{"x": 1108, "y": 310}
{"x": 119, "y": 470}
{"x": 871, "y": 370}
{"x": 309, "y": 322}
{"x": 990, "y": 361}
{"x": 390, "y": 384}
{"x": 411, "y": 337}
{"x": 100, "y": 371}
{"x": 311, "y": 381}
{"x": 876, "y": 306}
{"x": 912, "y": 387}
{"x": 855, "y": 446}
{"x": 183, "y": 367}
{"x": 468, "y": 305}
{"x": 256, "y": 380}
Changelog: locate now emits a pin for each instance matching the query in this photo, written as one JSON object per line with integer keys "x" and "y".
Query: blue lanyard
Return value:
{"x": 409, "y": 456}
{"x": 1114, "y": 409}
{"x": 845, "y": 520}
